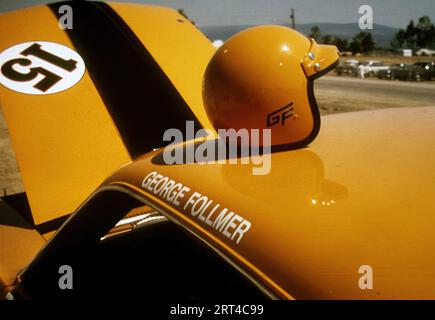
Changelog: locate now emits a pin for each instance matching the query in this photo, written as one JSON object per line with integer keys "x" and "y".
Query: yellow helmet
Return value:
{"x": 263, "y": 78}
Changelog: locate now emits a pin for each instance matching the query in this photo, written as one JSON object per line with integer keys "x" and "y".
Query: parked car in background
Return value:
{"x": 371, "y": 68}
{"x": 422, "y": 71}
{"x": 418, "y": 71}
{"x": 425, "y": 52}
{"x": 395, "y": 71}
{"x": 348, "y": 67}
{"x": 402, "y": 73}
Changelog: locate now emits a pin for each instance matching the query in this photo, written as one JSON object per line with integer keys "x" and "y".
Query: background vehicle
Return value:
{"x": 348, "y": 67}
{"x": 422, "y": 71}
{"x": 371, "y": 68}
{"x": 395, "y": 71}
{"x": 425, "y": 52}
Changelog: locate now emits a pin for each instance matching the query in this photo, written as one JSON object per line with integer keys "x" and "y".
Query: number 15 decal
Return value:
{"x": 40, "y": 67}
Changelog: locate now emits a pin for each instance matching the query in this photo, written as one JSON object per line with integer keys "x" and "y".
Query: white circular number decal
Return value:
{"x": 40, "y": 67}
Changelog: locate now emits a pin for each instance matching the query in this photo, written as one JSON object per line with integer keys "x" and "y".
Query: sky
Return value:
{"x": 394, "y": 13}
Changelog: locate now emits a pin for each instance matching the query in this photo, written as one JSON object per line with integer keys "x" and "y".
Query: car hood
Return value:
{"x": 362, "y": 194}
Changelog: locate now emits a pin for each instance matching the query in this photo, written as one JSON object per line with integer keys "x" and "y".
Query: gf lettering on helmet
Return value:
{"x": 280, "y": 115}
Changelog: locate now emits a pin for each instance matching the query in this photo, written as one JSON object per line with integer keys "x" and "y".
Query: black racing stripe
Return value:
{"x": 139, "y": 96}
{"x": 51, "y": 225}
{"x": 20, "y": 203}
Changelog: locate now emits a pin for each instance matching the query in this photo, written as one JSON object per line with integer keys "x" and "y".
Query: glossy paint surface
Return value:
{"x": 361, "y": 194}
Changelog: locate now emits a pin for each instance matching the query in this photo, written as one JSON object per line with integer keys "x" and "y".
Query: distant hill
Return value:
{"x": 382, "y": 34}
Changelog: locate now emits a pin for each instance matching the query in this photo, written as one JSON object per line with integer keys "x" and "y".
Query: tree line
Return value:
{"x": 417, "y": 36}
{"x": 420, "y": 35}
{"x": 362, "y": 42}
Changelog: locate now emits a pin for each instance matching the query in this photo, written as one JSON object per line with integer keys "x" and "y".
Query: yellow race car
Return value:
{"x": 338, "y": 210}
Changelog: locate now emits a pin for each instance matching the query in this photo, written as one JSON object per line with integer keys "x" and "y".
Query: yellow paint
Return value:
{"x": 361, "y": 194}
{"x": 180, "y": 49}
{"x": 217, "y": 242}
{"x": 66, "y": 143}
{"x": 259, "y": 72}
{"x": 319, "y": 58}
{"x": 18, "y": 245}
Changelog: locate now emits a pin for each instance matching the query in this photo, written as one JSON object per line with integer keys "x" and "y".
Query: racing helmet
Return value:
{"x": 262, "y": 78}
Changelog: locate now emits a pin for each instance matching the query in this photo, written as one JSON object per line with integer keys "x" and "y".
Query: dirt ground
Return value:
{"x": 333, "y": 95}
{"x": 392, "y": 59}
{"x": 10, "y": 179}
{"x": 345, "y": 94}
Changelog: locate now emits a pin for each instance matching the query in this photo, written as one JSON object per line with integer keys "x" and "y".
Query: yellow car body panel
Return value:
{"x": 66, "y": 143}
{"x": 181, "y": 49}
{"x": 54, "y": 135}
{"x": 19, "y": 243}
{"x": 361, "y": 194}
